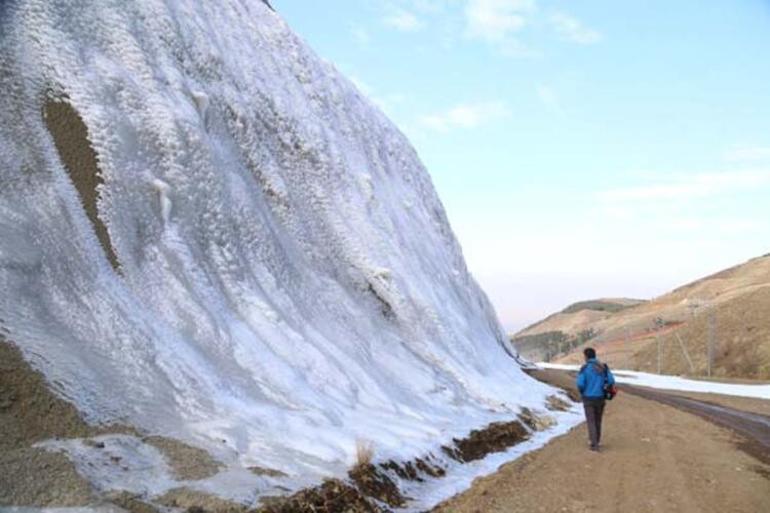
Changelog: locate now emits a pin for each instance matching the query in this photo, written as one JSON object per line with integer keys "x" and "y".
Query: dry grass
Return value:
{"x": 738, "y": 297}
{"x": 364, "y": 453}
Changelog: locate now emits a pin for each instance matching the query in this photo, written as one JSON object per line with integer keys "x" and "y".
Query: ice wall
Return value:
{"x": 285, "y": 281}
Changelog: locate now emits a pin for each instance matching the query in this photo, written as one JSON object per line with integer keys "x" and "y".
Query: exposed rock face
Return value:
{"x": 70, "y": 136}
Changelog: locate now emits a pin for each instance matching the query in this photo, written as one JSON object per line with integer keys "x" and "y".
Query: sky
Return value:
{"x": 582, "y": 149}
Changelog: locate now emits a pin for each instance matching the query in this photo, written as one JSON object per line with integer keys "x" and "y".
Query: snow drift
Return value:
{"x": 206, "y": 232}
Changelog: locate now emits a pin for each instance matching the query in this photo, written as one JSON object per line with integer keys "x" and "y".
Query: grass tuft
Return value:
{"x": 364, "y": 453}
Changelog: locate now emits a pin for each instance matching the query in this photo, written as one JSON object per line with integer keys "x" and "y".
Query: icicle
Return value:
{"x": 162, "y": 189}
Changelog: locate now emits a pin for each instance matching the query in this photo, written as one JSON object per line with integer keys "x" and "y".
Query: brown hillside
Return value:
{"x": 739, "y": 301}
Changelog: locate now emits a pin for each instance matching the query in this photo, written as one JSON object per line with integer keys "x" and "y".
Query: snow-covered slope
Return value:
{"x": 287, "y": 282}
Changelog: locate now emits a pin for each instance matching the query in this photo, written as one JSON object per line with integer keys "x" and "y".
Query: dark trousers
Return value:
{"x": 594, "y": 409}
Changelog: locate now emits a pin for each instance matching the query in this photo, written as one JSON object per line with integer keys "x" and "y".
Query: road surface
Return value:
{"x": 656, "y": 458}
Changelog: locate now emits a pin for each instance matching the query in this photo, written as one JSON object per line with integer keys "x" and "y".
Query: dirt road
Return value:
{"x": 754, "y": 428}
{"x": 656, "y": 458}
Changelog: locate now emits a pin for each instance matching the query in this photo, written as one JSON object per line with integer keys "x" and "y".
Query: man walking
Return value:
{"x": 591, "y": 382}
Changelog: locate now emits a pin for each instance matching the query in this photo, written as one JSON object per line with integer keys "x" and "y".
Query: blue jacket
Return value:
{"x": 590, "y": 380}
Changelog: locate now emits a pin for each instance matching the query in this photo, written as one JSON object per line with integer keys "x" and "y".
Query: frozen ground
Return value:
{"x": 460, "y": 477}
{"x": 644, "y": 379}
{"x": 287, "y": 282}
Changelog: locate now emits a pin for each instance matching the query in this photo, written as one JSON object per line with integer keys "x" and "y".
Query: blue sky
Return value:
{"x": 582, "y": 149}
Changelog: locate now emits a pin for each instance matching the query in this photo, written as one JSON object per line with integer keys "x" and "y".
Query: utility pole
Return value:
{"x": 693, "y": 305}
{"x": 711, "y": 342}
{"x": 627, "y": 347}
{"x": 659, "y": 323}
{"x": 686, "y": 353}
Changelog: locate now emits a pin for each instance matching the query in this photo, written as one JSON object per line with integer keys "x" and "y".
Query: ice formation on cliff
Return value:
{"x": 284, "y": 281}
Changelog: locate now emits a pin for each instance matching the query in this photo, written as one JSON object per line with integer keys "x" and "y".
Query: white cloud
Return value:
{"x": 465, "y": 116}
{"x": 748, "y": 154}
{"x": 430, "y": 6}
{"x": 550, "y": 99}
{"x": 692, "y": 187}
{"x": 572, "y": 29}
{"x": 403, "y": 20}
{"x": 495, "y": 20}
{"x": 360, "y": 34}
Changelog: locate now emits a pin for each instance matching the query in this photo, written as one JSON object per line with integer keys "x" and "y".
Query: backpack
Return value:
{"x": 610, "y": 391}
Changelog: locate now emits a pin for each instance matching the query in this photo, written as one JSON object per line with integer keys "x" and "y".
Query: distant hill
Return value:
{"x": 624, "y": 331}
{"x": 561, "y": 332}
{"x": 602, "y": 305}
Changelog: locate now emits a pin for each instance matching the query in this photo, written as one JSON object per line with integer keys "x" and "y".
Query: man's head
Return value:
{"x": 589, "y": 353}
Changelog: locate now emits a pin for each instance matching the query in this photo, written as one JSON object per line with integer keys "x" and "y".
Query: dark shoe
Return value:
{"x": 595, "y": 448}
